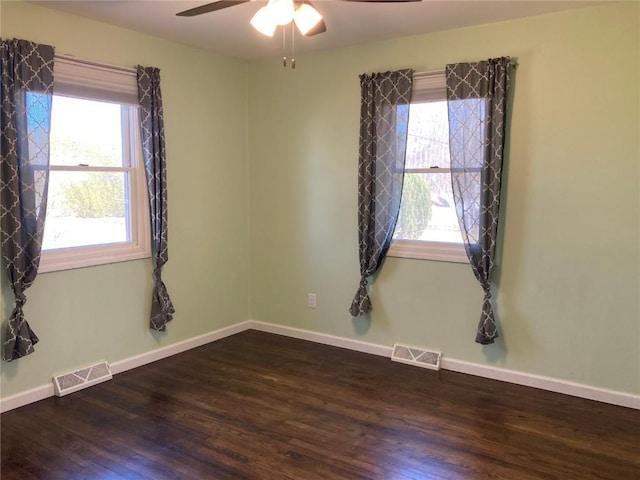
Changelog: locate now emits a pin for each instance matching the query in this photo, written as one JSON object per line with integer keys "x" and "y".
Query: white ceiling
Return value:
{"x": 228, "y": 31}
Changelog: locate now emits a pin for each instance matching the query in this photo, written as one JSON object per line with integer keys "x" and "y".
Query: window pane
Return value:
{"x": 86, "y": 208}
{"x": 428, "y": 141}
{"x": 427, "y": 211}
{"x": 86, "y": 132}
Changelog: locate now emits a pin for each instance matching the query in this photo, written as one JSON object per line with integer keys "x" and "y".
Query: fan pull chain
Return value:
{"x": 284, "y": 48}
{"x": 293, "y": 46}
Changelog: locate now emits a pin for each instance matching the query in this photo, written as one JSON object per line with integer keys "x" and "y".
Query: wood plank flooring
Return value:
{"x": 262, "y": 406}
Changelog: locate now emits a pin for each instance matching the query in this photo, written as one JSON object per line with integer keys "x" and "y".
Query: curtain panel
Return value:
{"x": 384, "y": 120}
{"x": 26, "y": 91}
{"x": 153, "y": 146}
{"x": 477, "y": 104}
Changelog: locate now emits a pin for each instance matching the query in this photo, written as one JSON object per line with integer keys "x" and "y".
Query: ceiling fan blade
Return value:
{"x": 319, "y": 28}
{"x": 210, "y": 7}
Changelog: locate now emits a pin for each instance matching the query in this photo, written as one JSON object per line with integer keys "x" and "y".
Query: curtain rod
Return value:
{"x": 512, "y": 61}
{"x": 71, "y": 58}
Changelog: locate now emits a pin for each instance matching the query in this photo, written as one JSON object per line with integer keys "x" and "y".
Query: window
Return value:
{"x": 97, "y": 207}
{"x": 427, "y": 226}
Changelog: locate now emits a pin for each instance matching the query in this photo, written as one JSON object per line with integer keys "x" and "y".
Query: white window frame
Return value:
{"x": 428, "y": 87}
{"x": 91, "y": 81}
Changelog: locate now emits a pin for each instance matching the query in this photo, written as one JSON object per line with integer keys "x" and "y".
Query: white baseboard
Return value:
{"x": 537, "y": 381}
{"x": 543, "y": 383}
{"x": 175, "y": 348}
{"x": 27, "y": 397}
{"x": 323, "y": 338}
{"x": 512, "y": 376}
{"x": 45, "y": 391}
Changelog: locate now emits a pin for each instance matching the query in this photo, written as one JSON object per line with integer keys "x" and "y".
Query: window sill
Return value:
{"x": 421, "y": 250}
{"x": 79, "y": 257}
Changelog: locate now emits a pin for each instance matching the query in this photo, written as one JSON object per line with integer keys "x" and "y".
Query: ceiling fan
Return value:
{"x": 281, "y": 12}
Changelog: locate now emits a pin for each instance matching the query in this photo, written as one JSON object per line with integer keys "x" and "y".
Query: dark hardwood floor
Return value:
{"x": 261, "y": 406}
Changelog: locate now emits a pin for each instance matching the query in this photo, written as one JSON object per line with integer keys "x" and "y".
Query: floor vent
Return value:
{"x": 416, "y": 356}
{"x": 83, "y": 378}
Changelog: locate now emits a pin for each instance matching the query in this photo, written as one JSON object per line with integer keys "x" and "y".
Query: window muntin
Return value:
{"x": 97, "y": 209}
{"x": 427, "y": 226}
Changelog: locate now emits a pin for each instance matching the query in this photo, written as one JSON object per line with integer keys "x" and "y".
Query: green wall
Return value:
{"x": 89, "y": 314}
{"x": 262, "y": 166}
{"x": 568, "y": 279}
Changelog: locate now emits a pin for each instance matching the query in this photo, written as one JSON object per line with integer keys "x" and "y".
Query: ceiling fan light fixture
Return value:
{"x": 306, "y": 17}
{"x": 263, "y": 22}
{"x": 281, "y": 11}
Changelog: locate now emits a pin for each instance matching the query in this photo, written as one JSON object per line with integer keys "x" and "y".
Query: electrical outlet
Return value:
{"x": 311, "y": 300}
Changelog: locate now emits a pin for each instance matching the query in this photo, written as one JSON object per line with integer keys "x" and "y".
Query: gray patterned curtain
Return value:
{"x": 153, "y": 146}
{"x": 477, "y": 103}
{"x": 384, "y": 119}
{"x": 26, "y": 90}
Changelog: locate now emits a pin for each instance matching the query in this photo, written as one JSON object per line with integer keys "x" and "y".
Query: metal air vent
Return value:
{"x": 416, "y": 356}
